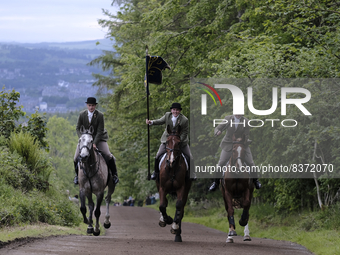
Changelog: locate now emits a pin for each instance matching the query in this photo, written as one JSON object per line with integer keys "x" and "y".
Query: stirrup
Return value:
{"x": 75, "y": 181}
{"x": 194, "y": 177}
{"x": 214, "y": 186}
{"x": 257, "y": 184}
{"x": 153, "y": 176}
{"x": 115, "y": 179}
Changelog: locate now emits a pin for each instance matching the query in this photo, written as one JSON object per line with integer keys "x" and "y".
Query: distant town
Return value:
{"x": 51, "y": 78}
{"x": 71, "y": 91}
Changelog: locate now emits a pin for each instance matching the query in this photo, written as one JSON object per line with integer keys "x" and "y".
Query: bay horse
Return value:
{"x": 94, "y": 177}
{"x": 173, "y": 178}
{"x": 237, "y": 188}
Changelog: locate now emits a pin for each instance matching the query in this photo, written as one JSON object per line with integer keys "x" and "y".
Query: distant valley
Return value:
{"x": 51, "y": 77}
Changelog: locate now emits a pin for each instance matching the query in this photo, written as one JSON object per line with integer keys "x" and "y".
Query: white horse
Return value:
{"x": 94, "y": 177}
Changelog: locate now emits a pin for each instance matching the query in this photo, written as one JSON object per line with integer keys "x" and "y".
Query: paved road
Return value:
{"x": 135, "y": 230}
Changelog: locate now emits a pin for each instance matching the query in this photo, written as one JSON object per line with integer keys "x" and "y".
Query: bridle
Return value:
{"x": 232, "y": 155}
{"x": 82, "y": 166}
{"x": 172, "y": 150}
{"x": 88, "y": 149}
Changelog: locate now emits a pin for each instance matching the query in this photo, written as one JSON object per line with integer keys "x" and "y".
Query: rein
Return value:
{"x": 171, "y": 150}
{"x": 82, "y": 167}
{"x": 91, "y": 165}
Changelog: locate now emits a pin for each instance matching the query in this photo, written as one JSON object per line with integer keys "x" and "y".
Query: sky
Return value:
{"x": 34, "y": 21}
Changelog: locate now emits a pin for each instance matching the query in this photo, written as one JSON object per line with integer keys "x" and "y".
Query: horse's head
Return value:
{"x": 173, "y": 145}
{"x": 85, "y": 143}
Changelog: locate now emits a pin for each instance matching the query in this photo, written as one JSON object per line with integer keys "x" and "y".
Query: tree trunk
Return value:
{"x": 316, "y": 179}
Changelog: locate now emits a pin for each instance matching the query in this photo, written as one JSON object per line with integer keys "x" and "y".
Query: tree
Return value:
{"x": 235, "y": 39}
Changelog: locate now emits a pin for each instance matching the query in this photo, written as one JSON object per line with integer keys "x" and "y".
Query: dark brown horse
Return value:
{"x": 173, "y": 178}
{"x": 237, "y": 188}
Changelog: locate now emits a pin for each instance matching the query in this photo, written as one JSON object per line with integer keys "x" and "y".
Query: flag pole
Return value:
{"x": 147, "y": 102}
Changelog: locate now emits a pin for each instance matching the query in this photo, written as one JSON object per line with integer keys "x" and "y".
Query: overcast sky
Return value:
{"x": 52, "y": 20}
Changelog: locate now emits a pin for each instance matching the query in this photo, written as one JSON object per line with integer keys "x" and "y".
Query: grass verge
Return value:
{"x": 317, "y": 231}
{"x": 38, "y": 230}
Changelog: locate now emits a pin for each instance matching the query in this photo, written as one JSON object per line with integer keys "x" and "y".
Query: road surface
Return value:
{"x": 135, "y": 230}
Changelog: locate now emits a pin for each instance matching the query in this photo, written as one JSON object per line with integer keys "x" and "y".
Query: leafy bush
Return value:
{"x": 35, "y": 158}
{"x": 35, "y": 206}
{"x": 9, "y": 112}
{"x": 36, "y": 126}
{"x": 13, "y": 172}
{"x": 3, "y": 141}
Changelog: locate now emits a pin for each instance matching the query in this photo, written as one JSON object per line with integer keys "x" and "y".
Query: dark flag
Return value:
{"x": 154, "y": 67}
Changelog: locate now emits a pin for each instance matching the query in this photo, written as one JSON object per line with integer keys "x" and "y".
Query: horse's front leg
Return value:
{"x": 90, "y": 221}
{"x": 83, "y": 205}
{"x": 97, "y": 213}
{"x": 163, "y": 203}
{"x": 176, "y": 226}
{"x": 246, "y": 234}
{"x": 246, "y": 206}
{"x": 107, "y": 223}
{"x": 228, "y": 204}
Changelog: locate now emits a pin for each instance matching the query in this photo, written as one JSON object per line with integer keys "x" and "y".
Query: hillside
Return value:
{"x": 32, "y": 68}
{"x": 104, "y": 44}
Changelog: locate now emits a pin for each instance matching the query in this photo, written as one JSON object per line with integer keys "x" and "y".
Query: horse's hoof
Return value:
{"x": 162, "y": 224}
{"x": 173, "y": 231}
{"x": 243, "y": 223}
{"x": 246, "y": 238}
{"x": 175, "y": 228}
{"x": 107, "y": 225}
{"x": 96, "y": 233}
{"x": 178, "y": 238}
{"x": 229, "y": 240}
{"x": 232, "y": 233}
{"x": 90, "y": 230}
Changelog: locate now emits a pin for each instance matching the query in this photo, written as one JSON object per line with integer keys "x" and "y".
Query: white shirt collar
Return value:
{"x": 236, "y": 121}
{"x": 90, "y": 115}
{"x": 174, "y": 119}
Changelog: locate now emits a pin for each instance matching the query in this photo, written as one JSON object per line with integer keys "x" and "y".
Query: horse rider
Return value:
{"x": 95, "y": 118}
{"x": 238, "y": 125}
{"x": 174, "y": 119}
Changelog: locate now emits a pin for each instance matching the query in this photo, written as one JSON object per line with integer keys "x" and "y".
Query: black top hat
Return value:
{"x": 176, "y": 105}
{"x": 91, "y": 100}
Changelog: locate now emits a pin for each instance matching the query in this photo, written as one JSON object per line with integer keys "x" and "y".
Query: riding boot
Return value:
{"x": 214, "y": 185}
{"x": 193, "y": 174}
{"x": 155, "y": 174}
{"x": 75, "y": 181}
{"x": 112, "y": 166}
{"x": 257, "y": 183}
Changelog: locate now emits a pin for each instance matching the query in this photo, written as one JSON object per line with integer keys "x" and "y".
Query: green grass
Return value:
{"x": 317, "y": 231}
{"x": 39, "y": 230}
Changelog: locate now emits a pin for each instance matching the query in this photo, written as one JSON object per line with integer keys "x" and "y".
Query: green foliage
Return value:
{"x": 36, "y": 126}
{"x": 13, "y": 172}
{"x": 241, "y": 39}
{"x": 34, "y": 157}
{"x": 16, "y": 208}
{"x": 30, "y": 192}
{"x": 62, "y": 139}
{"x": 9, "y": 111}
